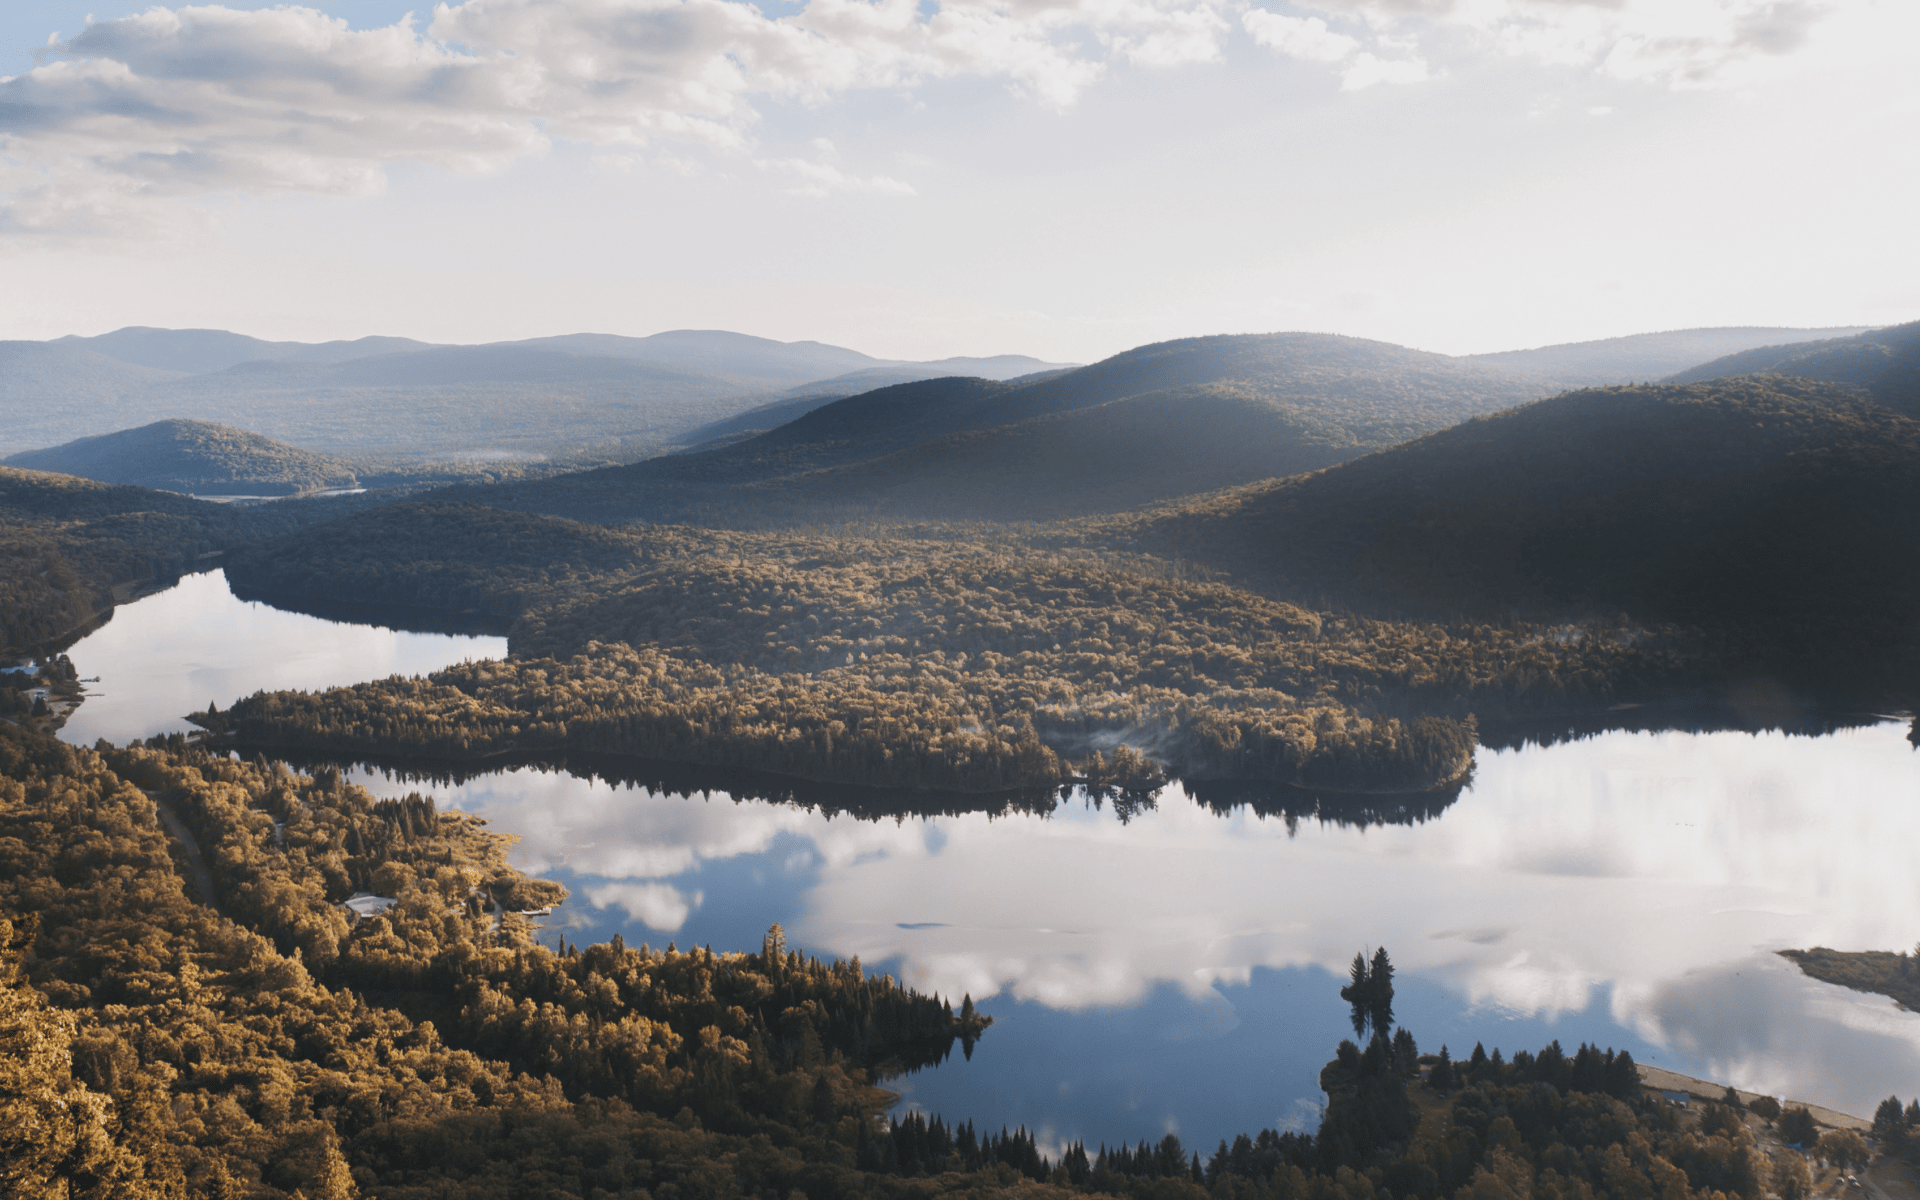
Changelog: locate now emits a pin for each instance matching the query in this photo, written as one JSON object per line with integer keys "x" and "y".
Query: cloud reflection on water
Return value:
{"x": 1650, "y": 873}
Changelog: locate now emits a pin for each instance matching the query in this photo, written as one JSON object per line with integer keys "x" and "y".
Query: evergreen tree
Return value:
{"x": 1889, "y": 1122}
{"x": 1359, "y": 994}
{"x": 1406, "y": 1054}
{"x": 1380, "y": 991}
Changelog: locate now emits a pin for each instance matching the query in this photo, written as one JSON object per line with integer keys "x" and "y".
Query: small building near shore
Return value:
{"x": 366, "y": 904}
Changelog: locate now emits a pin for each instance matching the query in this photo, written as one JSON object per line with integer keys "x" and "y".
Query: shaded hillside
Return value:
{"x": 68, "y": 545}
{"x": 1760, "y": 504}
{"x": 1111, "y": 457}
{"x": 845, "y": 431}
{"x": 1259, "y": 406}
{"x": 1884, "y": 361}
{"x": 197, "y": 457}
{"x": 1643, "y": 357}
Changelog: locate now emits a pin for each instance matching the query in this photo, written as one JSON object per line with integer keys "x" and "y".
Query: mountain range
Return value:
{"x": 398, "y": 397}
{"x": 1150, "y": 424}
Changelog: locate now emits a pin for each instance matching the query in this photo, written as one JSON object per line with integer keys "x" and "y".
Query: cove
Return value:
{"x": 169, "y": 653}
{"x": 1174, "y": 966}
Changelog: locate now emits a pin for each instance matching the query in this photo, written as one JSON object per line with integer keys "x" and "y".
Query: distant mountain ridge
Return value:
{"x": 197, "y": 351}
{"x": 1644, "y": 357}
{"x": 1223, "y": 410}
{"x": 624, "y": 396}
{"x": 606, "y": 397}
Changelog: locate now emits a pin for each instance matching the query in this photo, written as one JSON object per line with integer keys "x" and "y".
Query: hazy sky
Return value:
{"x": 920, "y": 178}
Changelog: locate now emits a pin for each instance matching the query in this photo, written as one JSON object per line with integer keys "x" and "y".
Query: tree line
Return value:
{"x": 907, "y": 663}
{"x": 153, "y": 1045}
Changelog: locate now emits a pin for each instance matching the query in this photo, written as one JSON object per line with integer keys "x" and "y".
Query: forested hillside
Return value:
{"x": 1237, "y": 408}
{"x": 66, "y": 543}
{"x": 1754, "y": 504}
{"x": 1886, "y": 362}
{"x": 192, "y": 457}
{"x": 1112, "y": 457}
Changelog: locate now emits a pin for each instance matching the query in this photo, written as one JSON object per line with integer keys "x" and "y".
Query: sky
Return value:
{"x": 925, "y": 178}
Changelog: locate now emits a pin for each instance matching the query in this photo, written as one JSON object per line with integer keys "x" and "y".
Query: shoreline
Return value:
{"x": 1701, "y": 1089}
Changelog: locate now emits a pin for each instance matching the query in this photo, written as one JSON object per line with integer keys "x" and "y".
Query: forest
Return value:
{"x": 67, "y": 544}
{"x": 902, "y": 662}
{"x": 262, "y": 1042}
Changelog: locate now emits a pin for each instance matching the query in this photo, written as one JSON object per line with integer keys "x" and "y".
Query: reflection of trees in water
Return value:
{"x": 1765, "y": 713}
{"x": 709, "y": 783}
{"x": 401, "y": 618}
{"x": 1353, "y": 809}
{"x": 1222, "y": 797}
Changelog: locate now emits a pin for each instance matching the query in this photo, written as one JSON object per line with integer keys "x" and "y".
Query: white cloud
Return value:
{"x": 134, "y": 113}
{"x": 659, "y": 906}
{"x": 819, "y": 179}
{"x": 1299, "y": 37}
{"x": 182, "y": 102}
{"x": 1310, "y": 39}
{"x": 1364, "y": 70}
{"x": 1679, "y": 43}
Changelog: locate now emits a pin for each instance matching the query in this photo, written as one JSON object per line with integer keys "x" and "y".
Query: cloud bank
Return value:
{"x": 136, "y": 112}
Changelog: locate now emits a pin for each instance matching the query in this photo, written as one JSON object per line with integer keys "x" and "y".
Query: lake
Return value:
{"x": 1179, "y": 969}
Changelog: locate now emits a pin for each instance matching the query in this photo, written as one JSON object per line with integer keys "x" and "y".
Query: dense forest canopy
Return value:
{"x": 887, "y": 661}
{"x": 263, "y": 1042}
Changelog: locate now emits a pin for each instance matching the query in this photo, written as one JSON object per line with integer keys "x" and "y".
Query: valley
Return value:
{"x": 1087, "y": 719}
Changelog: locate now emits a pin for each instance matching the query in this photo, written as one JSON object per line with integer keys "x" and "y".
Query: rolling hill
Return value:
{"x": 1643, "y": 357}
{"x": 195, "y": 457}
{"x": 1884, "y": 361}
{"x": 1757, "y": 503}
{"x": 1106, "y": 458}
{"x": 1225, "y": 410}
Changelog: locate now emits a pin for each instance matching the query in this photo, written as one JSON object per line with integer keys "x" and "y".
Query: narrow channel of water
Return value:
{"x": 1179, "y": 969}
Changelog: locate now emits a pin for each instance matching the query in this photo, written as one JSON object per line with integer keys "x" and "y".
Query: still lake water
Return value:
{"x": 1180, "y": 970}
